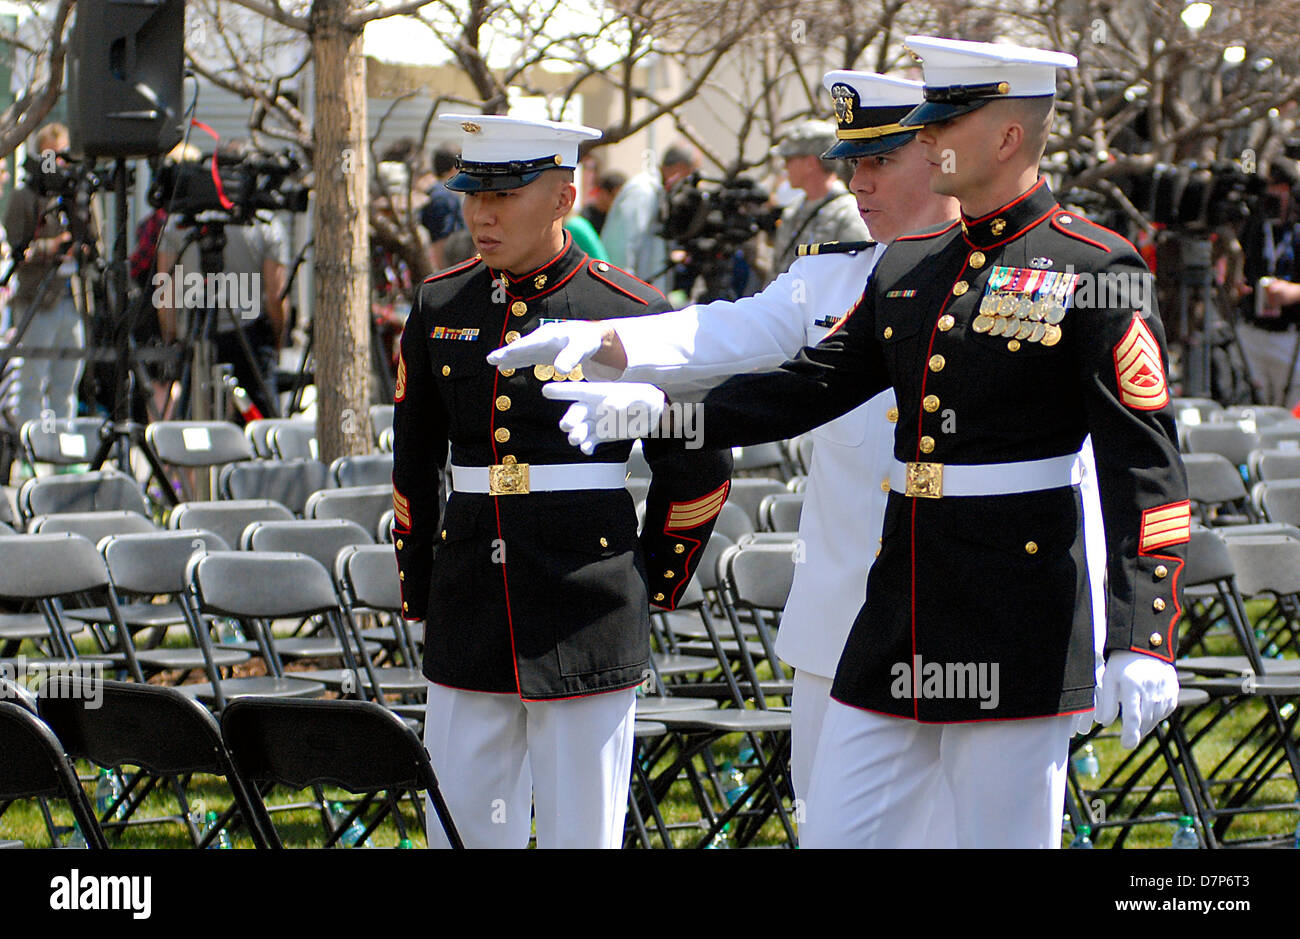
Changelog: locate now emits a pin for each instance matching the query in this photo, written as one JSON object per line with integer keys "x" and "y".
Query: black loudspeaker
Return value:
{"x": 126, "y": 67}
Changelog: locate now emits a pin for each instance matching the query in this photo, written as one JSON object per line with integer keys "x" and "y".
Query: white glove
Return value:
{"x": 1083, "y": 722}
{"x": 1146, "y": 689}
{"x": 606, "y": 410}
{"x": 563, "y": 345}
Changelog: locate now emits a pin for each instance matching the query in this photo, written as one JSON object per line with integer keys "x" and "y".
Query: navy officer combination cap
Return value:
{"x": 868, "y": 108}
{"x": 499, "y": 152}
{"x": 961, "y": 76}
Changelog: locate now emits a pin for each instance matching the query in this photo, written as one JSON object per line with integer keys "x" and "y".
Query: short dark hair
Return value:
{"x": 444, "y": 160}
{"x": 612, "y": 181}
{"x": 678, "y": 155}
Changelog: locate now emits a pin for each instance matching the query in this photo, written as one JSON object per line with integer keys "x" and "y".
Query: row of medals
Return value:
{"x": 548, "y": 373}
{"x": 1015, "y": 316}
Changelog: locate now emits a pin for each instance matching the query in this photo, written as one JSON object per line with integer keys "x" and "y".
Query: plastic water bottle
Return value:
{"x": 745, "y": 755}
{"x": 107, "y": 791}
{"x": 1185, "y": 837}
{"x": 223, "y": 837}
{"x": 405, "y": 844}
{"x": 1086, "y": 763}
{"x": 351, "y": 837}
{"x": 1082, "y": 837}
{"x": 76, "y": 839}
{"x": 228, "y": 630}
{"x": 733, "y": 782}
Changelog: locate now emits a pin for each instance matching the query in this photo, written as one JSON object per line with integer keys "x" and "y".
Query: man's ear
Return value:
{"x": 566, "y": 197}
{"x": 1011, "y": 142}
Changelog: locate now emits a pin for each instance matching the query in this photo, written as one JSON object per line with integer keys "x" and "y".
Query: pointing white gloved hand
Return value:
{"x": 564, "y": 345}
{"x": 604, "y": 411}
{"x": 1145, "y": 688}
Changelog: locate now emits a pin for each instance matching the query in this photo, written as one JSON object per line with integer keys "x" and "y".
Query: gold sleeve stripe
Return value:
{"x": 698, "y": 511}
{"x": 401, "y": 509}
{"x": 1166, "y": 525}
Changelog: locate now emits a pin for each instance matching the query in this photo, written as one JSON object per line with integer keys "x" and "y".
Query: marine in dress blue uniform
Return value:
{"x": 534, "y": 586}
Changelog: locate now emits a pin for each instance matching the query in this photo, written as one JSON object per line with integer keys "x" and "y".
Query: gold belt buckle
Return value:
{"x": 508, "y": 479}
{"x": 925, "y": 480}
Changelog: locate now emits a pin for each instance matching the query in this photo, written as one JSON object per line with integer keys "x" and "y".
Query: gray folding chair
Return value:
{"x": 98, "y": 491}
{"x": 372, "y": 469}
{"x": 1274, "y": 465}
{"x": 294, "y": 441}
{"x": 381, "y": 419}
{"x": 258, "y": 432}
{"x": 92, "y": 525}
{"x": 1217, "y": 489}
{"x": 748, "y": 495}
{"x": 1228, "y": 440}
{"x": 361, "y": 504}
{"x": 61, "y": 442}
{"x": 781, "y": 512}
{"x": 289, "y": 482}
{"x": 227, "y": 518}
{"x": 197, "y": 445}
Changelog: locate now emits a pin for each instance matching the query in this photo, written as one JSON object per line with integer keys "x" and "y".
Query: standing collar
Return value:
{"x": 548, "y": 277}
{"x": 1011, "y": 220}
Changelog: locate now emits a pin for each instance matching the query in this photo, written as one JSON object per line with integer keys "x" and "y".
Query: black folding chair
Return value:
{"x": 160, "y": 730}
{"x": 35, "y": 766}
{"x": 356, "y": 745}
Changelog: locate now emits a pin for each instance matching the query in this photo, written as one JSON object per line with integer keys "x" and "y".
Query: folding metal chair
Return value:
{"x": 51, "y": 570}
{"x": 289, "y": 482}
{"x": 258, "y": 588}
{"x": 381, "y": 419}
{"x": 1227, "y": 440}
{"x": 748, "y": 493}
{"x": 163, "y": 732}
{"x": 228, "y": 519}
{"x": 362, "y": 504}
{"x": 356, "y": 745}
{"x": 197, "y": 445}
{"x": 35, "y": 766}
{"x": 1274, "y": 465}
{"x": 61, "y": 442}
{"x": 781, "y": 512}
{"x": 769, "y": 459}
{"x": 294, "y": 441}
{"x": 1217, "y": 490}
{"x": 1282, "y": 434}
{"x": 92, "y": 525}
{"x": 258, "y": 433}
{"x": 98, "y": 491}
{"x": 372, "y": 469}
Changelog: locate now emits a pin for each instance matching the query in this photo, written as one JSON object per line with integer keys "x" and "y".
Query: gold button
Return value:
{"x": 507, "y": 372}
{"x": 400, "y": 544}
{"x": 936, "y": 363}
{"x": 877, "y": 552}
{"x": 446, "y": 370}
{"x": 444, "y": 534}
{"x": 1161, "y": 571}
{"x": 511, "y": 336}
{"x": 889, "y": 331}
{"x": 508, "y": 459}
{"x": 977, "y": 259}
{"x": 946, "y": 322}
{"x": 884, "y": 485}
{"x": 1157, "y": 604}
{"x": 960, "y": 288}
{"x": 669, "y": 574}
{"x": 503, "y": 403}
{"x": 930, "y": 403}
{"x": 1031, "y": 547}
{"x": 502, "y": 435}
{"x": 401, "y": 575}
{"x": 543, "y": 372}
{"x": 659, "y": 598}
{"x": 404, "y": 606}
{"x": 1014, "y": 345}
{"x": 604, "y": 542}
{"x": 679, "y": 548}
{"x": 519, "y": 308}
{"x": 1156, "y": 639}
{"x": 576, "y": 374}
{"x": 892, "y": 415}
{"x": 927, "y": 444}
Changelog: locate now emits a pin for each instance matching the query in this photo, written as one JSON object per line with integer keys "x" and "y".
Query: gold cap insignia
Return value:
{"x": 558, "y": 160}
{"x": 470, "y": 127}
{"x": 843, "y": 96}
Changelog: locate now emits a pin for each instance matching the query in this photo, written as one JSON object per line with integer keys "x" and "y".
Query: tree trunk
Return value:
{"x": 342, "y": 233}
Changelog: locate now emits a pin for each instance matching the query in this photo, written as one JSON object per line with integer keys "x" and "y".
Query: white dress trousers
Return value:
{"x": 498, "y": 759}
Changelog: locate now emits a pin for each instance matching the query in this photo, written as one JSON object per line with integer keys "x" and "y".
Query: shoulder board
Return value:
{"x": 932, "y": 232}
{"x": 627, "y": 284}
{"x": 1089, "y": 232}
{"x": 833, "y": 247}
{"x": 457, "y": 269}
